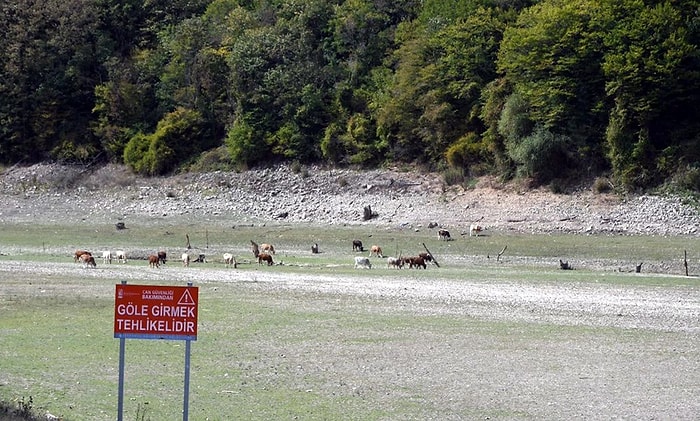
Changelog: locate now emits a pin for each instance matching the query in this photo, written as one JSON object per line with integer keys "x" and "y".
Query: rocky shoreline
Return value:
{"x": 315, "y": 195}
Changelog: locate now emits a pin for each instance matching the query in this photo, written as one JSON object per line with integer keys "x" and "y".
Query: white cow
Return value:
{"x": 362, "y": 262}
{"x": 185, "y": 259}
{"x": 475, "y": 229}
{"x": 121, "y": 256}
{"x": 396, "y": 262}
{"x": 107, "y": 257}
{"x": 229, "y": 260}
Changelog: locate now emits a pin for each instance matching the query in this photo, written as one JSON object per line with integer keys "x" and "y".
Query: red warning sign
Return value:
{"x": 155, "y": 312}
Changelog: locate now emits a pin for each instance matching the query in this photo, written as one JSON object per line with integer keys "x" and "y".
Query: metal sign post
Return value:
{"x": 155, "y": 312}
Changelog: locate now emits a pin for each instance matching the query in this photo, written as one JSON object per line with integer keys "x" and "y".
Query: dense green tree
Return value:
{"x": 126, "y": 103}
{"x": 647, "y": 53}
{"x": 179, "y": 138}
{"x": 508, "y": 86}
{"x": 436, "y": 93}
{"x": 278, "y": 74}
{"x": 552, "y": 58}
{"x": 50, "y": 61}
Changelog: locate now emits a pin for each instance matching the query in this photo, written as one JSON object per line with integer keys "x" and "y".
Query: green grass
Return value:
{"x": 58, "y": 240}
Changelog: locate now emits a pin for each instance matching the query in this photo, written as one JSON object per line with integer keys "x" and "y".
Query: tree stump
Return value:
{"x": 368, "y": 214}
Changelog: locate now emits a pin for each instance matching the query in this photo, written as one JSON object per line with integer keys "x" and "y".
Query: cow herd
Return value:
{"x": 419, "y": 261}
{"x": 264, "y": 255}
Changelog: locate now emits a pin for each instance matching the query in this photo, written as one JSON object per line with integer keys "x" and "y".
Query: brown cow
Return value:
{"x": 78, "y": 253}
{"x": 153, "y": 261}
{"x": 264, "y": 257}
{"x": 87, "y": 260}
{"x": 416, "y": 261}
{"x": 376, "y": 251}
{"x": 162, "y": 257}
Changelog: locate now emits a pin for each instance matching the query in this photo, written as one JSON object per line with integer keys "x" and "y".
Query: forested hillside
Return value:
{"x": 549, "y": 89}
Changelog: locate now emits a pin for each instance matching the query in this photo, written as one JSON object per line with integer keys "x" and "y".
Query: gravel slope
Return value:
{"x": 316, "y": 195}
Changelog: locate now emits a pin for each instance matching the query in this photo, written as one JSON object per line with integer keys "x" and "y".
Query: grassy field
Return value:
{"x": 267, "y": 352}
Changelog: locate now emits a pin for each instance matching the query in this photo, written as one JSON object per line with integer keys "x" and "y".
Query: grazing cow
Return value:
{"x": 121, "y": 256}
{"x": 87, "y": 260}
{"x": 162, "y": 257}
{"x": 200, "y": 259}
{"x": 475, "y": 229}
{"x": 78, "y": 253}
{"x": 376, "y": 251}
{"x": 396, "y": 262}
{"x": 416, "y": 261}
{"x": 229, "y": 260}
{"x": 107, "y": 257}
{"x": 362, "y": 263}
{"x": 357, "y": 245}
{"x": 185, "y": 259}
{"x": 444, "y": 235}
{"x": 264, "y": 257}
{"x": 267, "y": 248}
{"x": 153, "y": 261}
{"x": 426, "y": 256}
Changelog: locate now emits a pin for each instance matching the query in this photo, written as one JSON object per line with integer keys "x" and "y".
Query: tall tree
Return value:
{"x": 648, "y": 51}
{"x": 50, "y": 65}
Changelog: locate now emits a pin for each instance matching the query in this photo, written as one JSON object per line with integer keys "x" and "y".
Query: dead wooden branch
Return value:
{"x": 431, "y": 255}
{"x": 498, "y": 258}
{"x": 369, "y": 214}
{"x": 638, "y": 268}
{"x": 565, "y": 265}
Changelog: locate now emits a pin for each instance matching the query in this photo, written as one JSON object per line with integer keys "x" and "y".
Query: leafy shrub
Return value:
{"x": 135, "y": 153}
{"x": 469, "y": 152}
{"x": 514, "y": 123}
{"x": 246, "y": 146}
{"x": 179, "y": 137}
{"x": 331, "y": 147}
{"x": 217, "y": 159}
{"x": 602, "y": 185}
{"x": 453, "y": 176}
{"x": 541, "y": 155}
{"x": 687, "y": 178}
